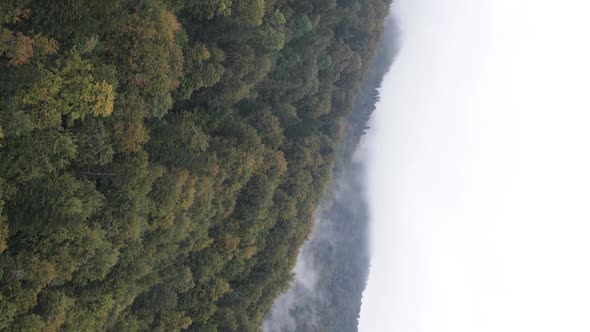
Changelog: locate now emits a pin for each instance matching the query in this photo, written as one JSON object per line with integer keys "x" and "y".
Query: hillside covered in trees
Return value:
{"x": 333, "y": 265}
{"x": 161, "y": 160}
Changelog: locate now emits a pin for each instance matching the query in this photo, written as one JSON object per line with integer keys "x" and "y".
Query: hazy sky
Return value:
{"x": 479, "y": 170}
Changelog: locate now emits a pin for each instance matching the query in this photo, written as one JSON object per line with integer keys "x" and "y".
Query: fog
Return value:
{"x": 312, "y": 302}
{"x": 478, "y": 178}
{"x": 332, "y": 268}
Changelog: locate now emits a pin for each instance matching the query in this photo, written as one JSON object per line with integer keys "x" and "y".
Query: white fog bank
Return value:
{"x": 479, "y": 170}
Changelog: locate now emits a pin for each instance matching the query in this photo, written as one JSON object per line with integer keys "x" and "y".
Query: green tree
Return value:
{"x": 271, "y": 39}
{"x": 250, "y": 12}
{"x": 301, "y": 25}
{"x": 182, "y": 141}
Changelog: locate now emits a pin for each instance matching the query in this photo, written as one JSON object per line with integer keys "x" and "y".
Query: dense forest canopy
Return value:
{"x": 333, "y": 265}
{"x": 161, "y": 160}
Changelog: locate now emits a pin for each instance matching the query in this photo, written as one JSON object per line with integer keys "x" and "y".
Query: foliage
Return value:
{"x": 337, "y": 254}
{"x": 160, "y": 160}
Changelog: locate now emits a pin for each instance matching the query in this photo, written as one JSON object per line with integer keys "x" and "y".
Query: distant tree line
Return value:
{"x": 337, "y": 253}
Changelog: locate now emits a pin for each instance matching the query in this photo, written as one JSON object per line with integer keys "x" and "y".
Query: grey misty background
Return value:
{"x": 333, "y": 265}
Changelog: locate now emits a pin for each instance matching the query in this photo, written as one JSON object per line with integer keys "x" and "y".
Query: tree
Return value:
{"x": 53, "y": 306}
{"x": 182, "y": 141}
{"x": 93, "y": 144}
{"x": 7, "y": 312}
{"x": 269, "y": 127}
{"x": 148, "y": 55}
{"x": 209, "y": 8}
{"x": 301, "y": 25}
{"x": 17, "y": 47}
{"x": 70, "y": 91}
{"x": 201, "y": 71}
{"x": 42, "y": 153}
{"x": 271, "y": 39}
{"x": 250, "y": 12}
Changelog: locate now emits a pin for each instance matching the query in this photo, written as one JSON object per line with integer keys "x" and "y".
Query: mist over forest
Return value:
{"x": 161, "y": 161}
{"x": 333, "y": 264}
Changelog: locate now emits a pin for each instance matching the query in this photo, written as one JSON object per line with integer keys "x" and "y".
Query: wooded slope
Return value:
{"x": 334, "y": 262}
{"x": 161, "y": 161}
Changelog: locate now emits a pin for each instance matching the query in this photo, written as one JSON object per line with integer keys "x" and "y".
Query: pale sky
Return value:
{"x": 479, "y": 170}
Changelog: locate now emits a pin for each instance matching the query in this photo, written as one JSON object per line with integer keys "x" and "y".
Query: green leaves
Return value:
{"x": 249, "y": 11}
{"x": 40, "y": 154}
{"x": 70, "y": 91}
{"x": 179, "y": 141}
{"x": 7, "y": 312}
{"x": 272, "y": 39}
{"x": 301, "y": 25}
{"x": 160, "y": 168}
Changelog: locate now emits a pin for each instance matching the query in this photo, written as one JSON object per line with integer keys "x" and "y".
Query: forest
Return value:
{"x": 333, "y": 265}
{"x": 161, "y": 160}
